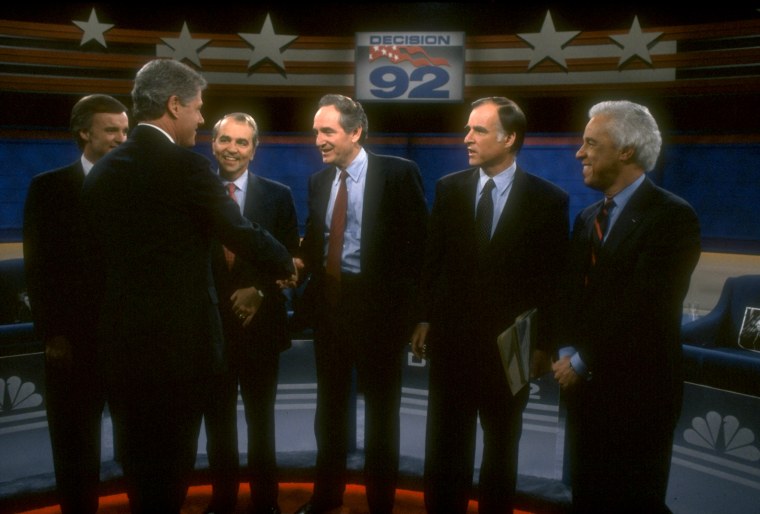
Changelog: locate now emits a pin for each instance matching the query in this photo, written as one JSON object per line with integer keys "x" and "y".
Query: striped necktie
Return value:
{"x": 600, "y": 228}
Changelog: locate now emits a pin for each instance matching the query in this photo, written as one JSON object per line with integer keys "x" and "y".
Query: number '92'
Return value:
{"x": 393, "y": 82}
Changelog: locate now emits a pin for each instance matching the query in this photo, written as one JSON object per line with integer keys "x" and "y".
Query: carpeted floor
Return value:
{"x": 292, "y": 496}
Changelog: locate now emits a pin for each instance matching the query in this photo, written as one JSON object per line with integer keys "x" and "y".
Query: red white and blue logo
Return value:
{"x": 421, "y": 67}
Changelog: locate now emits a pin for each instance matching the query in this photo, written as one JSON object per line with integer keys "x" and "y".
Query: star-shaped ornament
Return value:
{"x": 93, "y": 29}
{"x": 635, "y": 43}
{"x": 185, "y": 47}
{"x": 548, "y": 43}
{"x": 267, "y": 45}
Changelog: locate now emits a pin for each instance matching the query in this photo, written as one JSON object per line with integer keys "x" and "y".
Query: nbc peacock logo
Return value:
{"x": 722, "y": 434}
{"x": 15, "y": 395}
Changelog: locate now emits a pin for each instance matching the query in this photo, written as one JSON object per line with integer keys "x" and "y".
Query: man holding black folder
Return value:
{"x": 490, "y": 257}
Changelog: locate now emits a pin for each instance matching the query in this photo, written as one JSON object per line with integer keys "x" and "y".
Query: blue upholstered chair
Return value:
{"x": 712, "y": 354}
{"x": 12, "y": 286}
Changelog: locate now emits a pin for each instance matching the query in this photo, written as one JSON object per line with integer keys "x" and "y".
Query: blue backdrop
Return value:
{"x": 721, "y": 181}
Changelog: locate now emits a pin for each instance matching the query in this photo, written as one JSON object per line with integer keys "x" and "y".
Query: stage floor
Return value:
{"x": 716, "y": 471}
{"x": 716, "y": 460}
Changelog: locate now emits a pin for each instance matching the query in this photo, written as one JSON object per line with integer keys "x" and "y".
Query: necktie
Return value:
{"x": 228, "y": 254}
{"x": 484, "y": 216}
{"x": 600, "y": 228}
{"x": 335, "y": 241}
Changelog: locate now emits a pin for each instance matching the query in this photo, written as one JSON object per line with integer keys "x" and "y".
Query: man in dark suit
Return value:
{"x": 57, "y": 264}
{"x": 153, "y": 208}
{"x": 632, "y": 255}
{"x": 473, "y": 288}
{"x": 360, "y": 291}
{"x": 254, "y": 318}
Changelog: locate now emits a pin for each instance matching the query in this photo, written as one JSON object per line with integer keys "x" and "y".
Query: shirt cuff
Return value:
{"x": 579, "y": 366}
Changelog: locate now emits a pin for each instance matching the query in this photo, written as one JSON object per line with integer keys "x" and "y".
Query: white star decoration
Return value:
{"x": 635, "y": 43}
{"x": 93, "y": 29}
{"x": 548, "y": 43}
{"x": 267, "y": 45}
{"x": 185, "y": 47}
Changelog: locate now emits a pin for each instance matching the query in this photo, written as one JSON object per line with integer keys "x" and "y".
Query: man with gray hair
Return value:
{"x": 255, "y": 322}
{"x": 154, "y": 207}
{"x": 619, "y": 367}
{"x": 363, "y": 247}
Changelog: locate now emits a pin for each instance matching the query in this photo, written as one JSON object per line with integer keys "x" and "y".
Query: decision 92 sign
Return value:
{"x": 410, "y": 66}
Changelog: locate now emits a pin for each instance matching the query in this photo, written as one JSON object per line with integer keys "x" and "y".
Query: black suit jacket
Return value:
{"x": 270, "y": 205}
{"x": 394, "y": 223}
{"x": 154, "y": 208}
{"x": 626, "y": 322}
{"x": 56, "y": 259}
{"x": 468, "y": 300}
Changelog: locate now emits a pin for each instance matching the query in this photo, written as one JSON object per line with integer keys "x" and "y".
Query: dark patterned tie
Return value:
{"x": 335, "y": 241}
{"x": 600, "y": 229}
{"x": 228, "y": 254}
{"x": 484, "y": 216}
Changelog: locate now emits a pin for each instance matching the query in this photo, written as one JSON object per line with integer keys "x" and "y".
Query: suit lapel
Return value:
{"x": 374, "y": 187}
{"x": 512, "y": 214}
{"x": 322, "y": 187}
{"x": 630, "y": 218}
{"x": 256, "y": 202}
{"x": 76, "y": 174}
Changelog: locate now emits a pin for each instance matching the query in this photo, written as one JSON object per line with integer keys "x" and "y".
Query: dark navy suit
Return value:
{"x": 369, "y": 326}
{"x": 154, "y": 209}
{"x": 252, "y": 356}
{"x": 469, "y": 299}
{"x": 624, "y": 318}
{"x": 57, "y": 266}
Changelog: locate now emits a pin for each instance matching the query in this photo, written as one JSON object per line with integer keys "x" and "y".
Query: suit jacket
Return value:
{"x": 626, "y": 322}
{"x": 468, "y": 300}
{"x": 154, "y": 208}
{"x": 56, "y": 259}
{"x": 394, "y": 223}
{"x": 270, "y": 205}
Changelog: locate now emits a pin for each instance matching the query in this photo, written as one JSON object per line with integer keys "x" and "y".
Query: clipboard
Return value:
{"x": 516, "y": 345}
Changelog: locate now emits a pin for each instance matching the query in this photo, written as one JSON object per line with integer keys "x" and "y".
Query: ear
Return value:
{"x": 84, "y": 134}
{"x": 172, "y": 106}
{"x": 509, "y": 140}
{"x": 626, "y": 153}
{"x": 356, "y": 134}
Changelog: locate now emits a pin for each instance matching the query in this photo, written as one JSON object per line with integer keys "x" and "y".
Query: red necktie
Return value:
{"x": 335, "y": 241}
{"x": 228, "y": 254}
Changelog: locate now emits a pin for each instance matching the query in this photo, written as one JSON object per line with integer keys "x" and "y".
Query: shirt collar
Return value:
{"x": 502, "y": 180}
{"x": 241, "y": 182}
{"x": 622, "y": 198}
{"x": 159, "y": 129}
{"x": 357, "y": 167}
{"x": 86, "y": 165}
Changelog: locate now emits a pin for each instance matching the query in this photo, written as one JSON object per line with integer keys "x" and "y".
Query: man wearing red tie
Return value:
{"x": 254, "y": 319}
{"x": 371, "y": 210}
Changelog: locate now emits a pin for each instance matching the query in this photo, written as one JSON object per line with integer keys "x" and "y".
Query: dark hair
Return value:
{"x": 512, "y": 118}
{"x": 86, "y": 108}
{"x": 352, "y": 115}
{"x": 159, "y": 80}
{"x": 240, "y": 117}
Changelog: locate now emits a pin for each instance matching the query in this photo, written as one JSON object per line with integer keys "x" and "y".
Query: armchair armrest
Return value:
{"x": 703, "y": 331}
